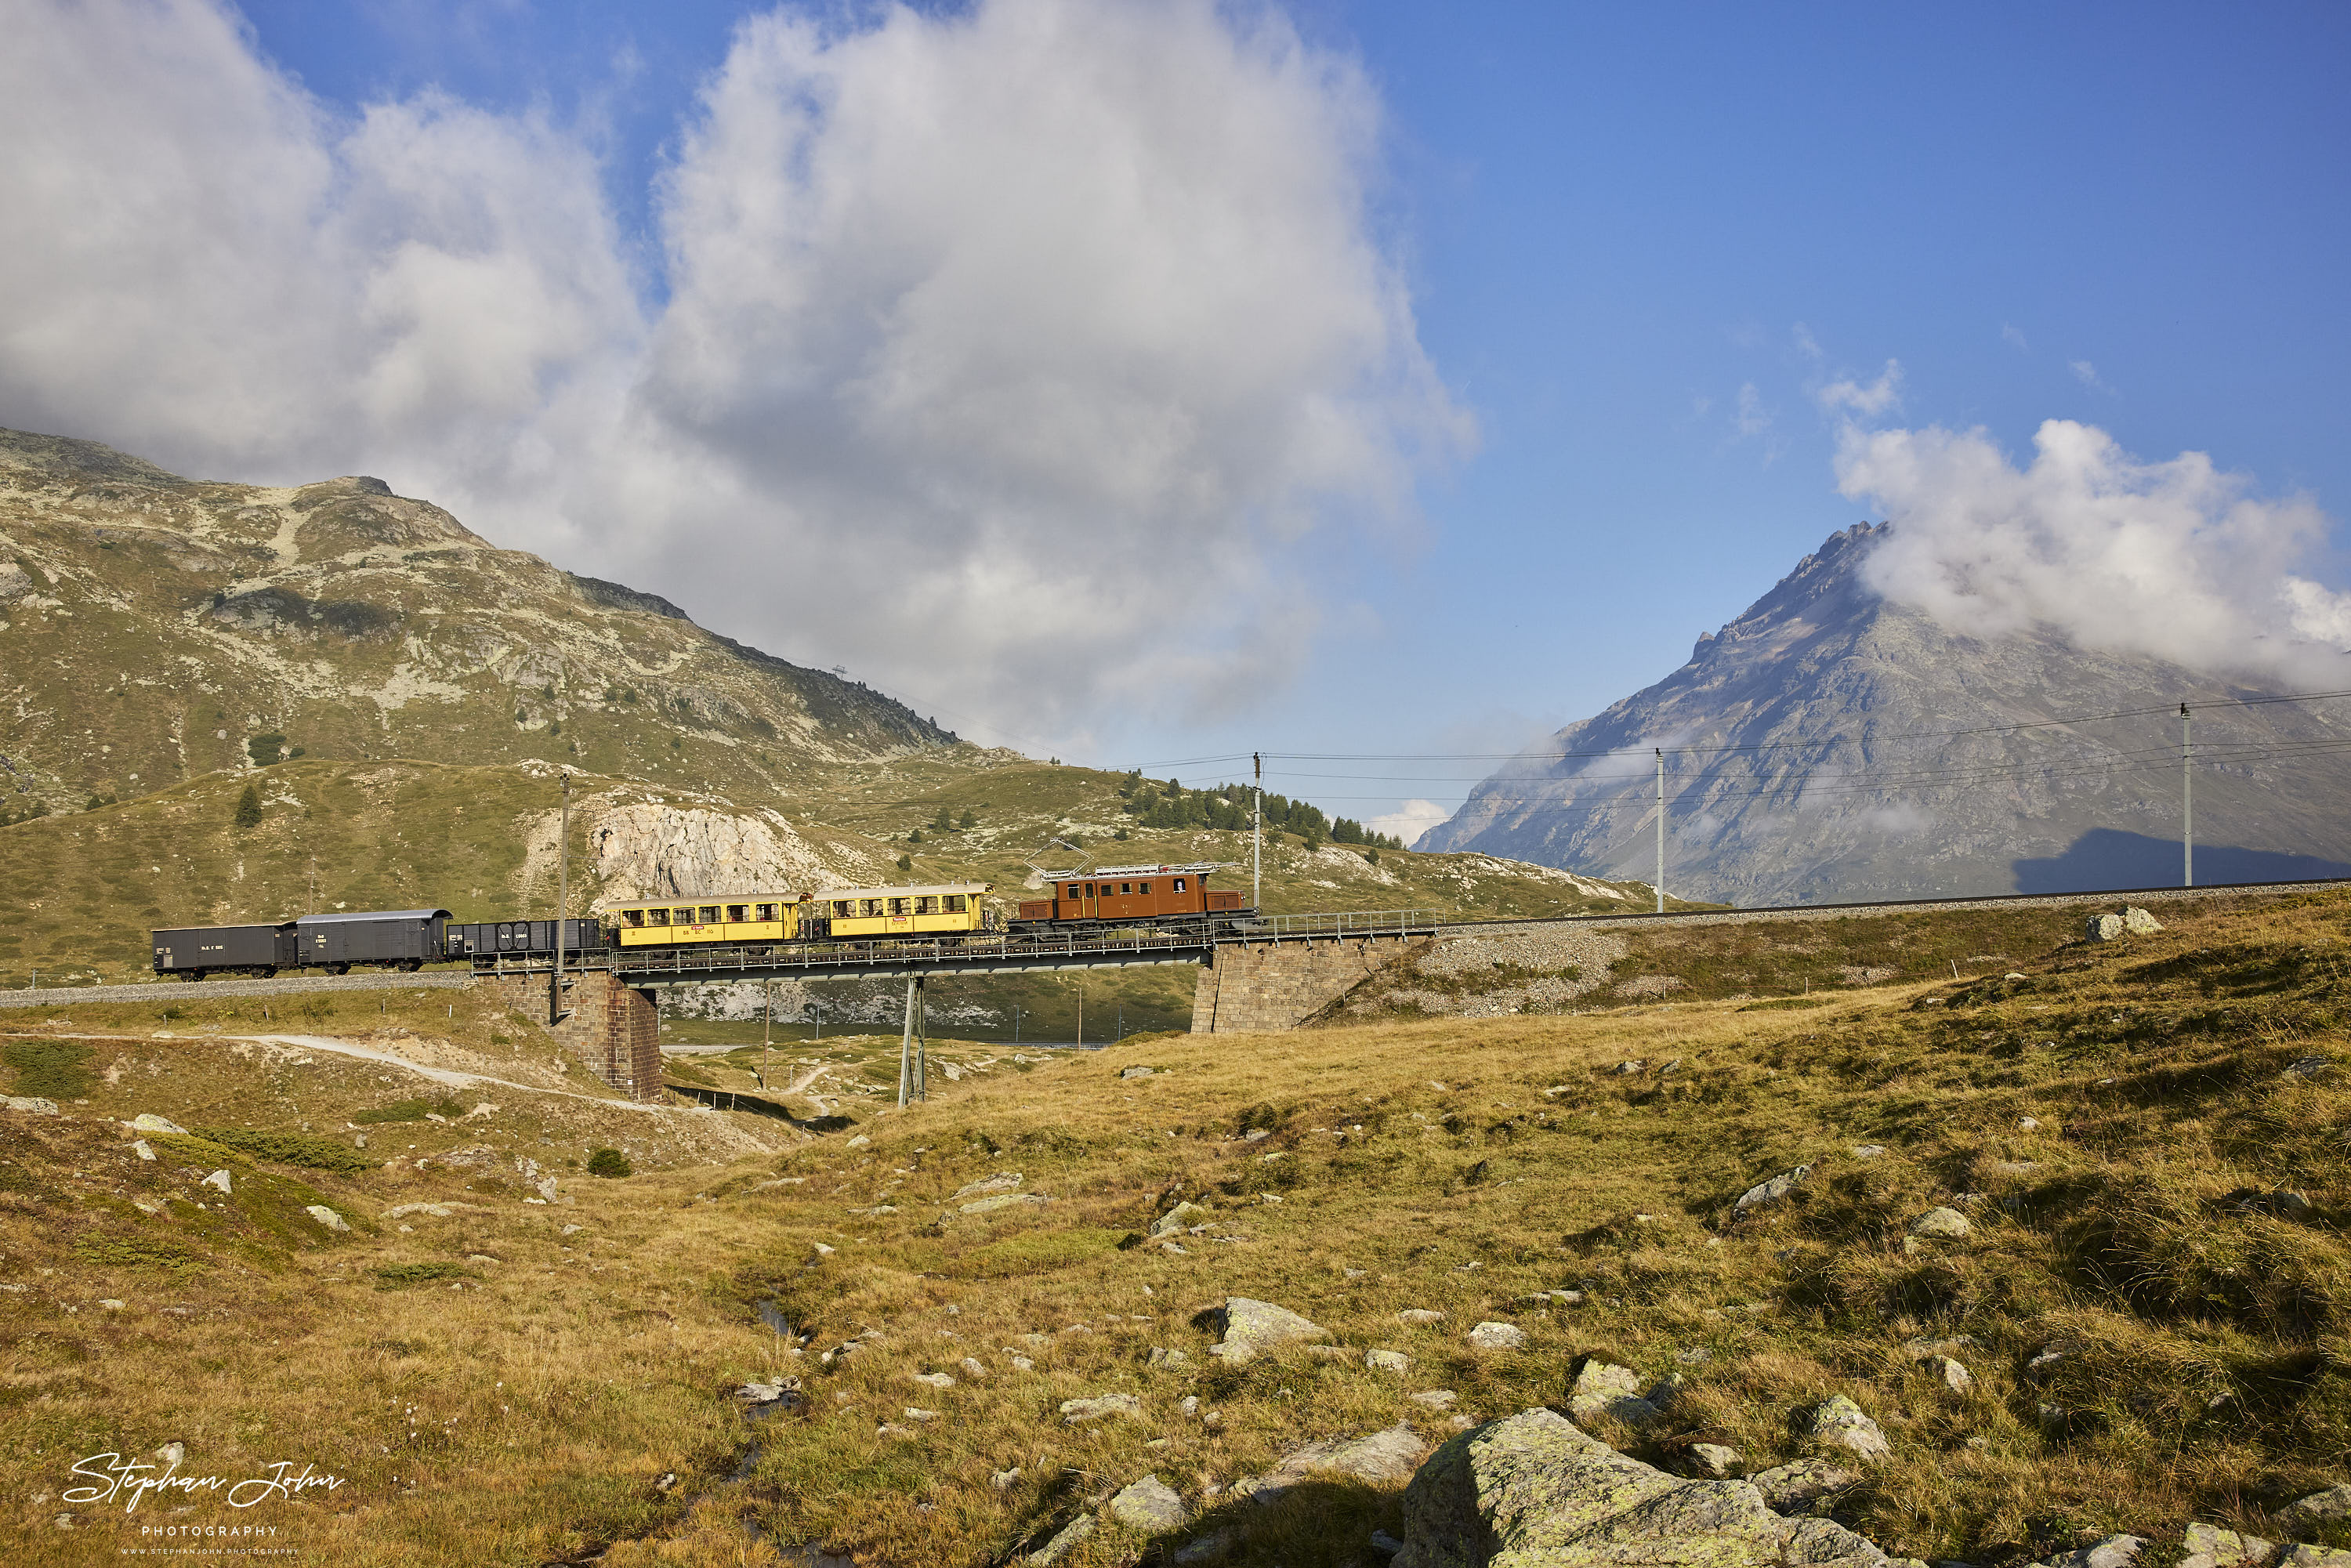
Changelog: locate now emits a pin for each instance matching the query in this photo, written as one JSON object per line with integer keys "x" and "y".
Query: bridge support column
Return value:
{"x": 612, "y": 1030}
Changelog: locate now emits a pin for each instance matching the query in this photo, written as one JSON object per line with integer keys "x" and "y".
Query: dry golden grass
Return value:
{"x": 1459, "y": 1166}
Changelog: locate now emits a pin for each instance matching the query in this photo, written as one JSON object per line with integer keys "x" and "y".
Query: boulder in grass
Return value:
{"x": 2332, "y": 1506}
{"x": 148, "y": 1122}
{"x": 2210, "y": 1546}
{"x": 31, "y": 1104}
{"x": 1763, "y": 1194}
{"x": 1838, "y": 1420}
{"x": 327, "y": 1217}
{"x": 1498, "y": 1336}
{"x": 1066, "y": 1540}
{"x": 1253, "y": 1327}
{"x": 1942, "y": 1225}
{"x": 1149, "y": 1504}
{"x": 1802, "y": 1486}
{"x": 1181, "y": 1217}
{"x": 1383, "y": 1458}
{"x": 1604, "y": 1388}
{"x": 1533, "y": 1490}
{"x": 1077, "y": 1411}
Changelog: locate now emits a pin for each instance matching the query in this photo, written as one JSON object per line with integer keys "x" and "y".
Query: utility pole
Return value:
{"x": 1082, "y": 1015}
{"x": 906, "y": 1042}
{"x": 1661, "y": 829}
{"x": 1257, "y": 838}
{"x": 768, "y": 1037}
{"x": 562, "y": 901}
{"x": 2187, "y": 806}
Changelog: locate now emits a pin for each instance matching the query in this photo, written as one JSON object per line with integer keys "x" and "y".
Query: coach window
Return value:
{"x": 1144, "y": 888}
{"x": 926, "y": 904}
{"x": 633, "y": 916}
{"x": 766, "y": 912}
{"x": 955, "y": 903}
{"x": 738, "y": 913}
{"x": 655, "y": 916}
{"x": 710, "y": 915}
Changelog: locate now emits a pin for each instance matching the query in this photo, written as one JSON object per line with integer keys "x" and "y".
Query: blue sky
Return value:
{"x": 1638, "y": 243}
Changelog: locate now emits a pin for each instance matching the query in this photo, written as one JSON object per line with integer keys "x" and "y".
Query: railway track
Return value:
{"x": 880, "y": 960}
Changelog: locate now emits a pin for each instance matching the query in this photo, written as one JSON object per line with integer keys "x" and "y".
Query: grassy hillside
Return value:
{"x": 2143, "y": 1136}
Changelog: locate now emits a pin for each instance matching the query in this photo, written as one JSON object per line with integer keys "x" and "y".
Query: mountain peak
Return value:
{"x": 1829, "y": 745}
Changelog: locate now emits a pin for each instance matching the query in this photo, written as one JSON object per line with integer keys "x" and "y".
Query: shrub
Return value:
{"x": 135, "y": 1252}
{"x": 398, "y": 1274}
{"x": 404, "y": 1111}
{"x": 265, "y": 749}
{"x": 609, "y": 1162}
{"x": 54, "y": 1069}
{"x": 302, "y": 1149}
{"x": 248, "y": 807}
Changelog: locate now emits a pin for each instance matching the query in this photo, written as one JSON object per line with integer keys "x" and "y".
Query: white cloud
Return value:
{"x": 2174, "y": 559}
{"x": 1010, "y": 356}
{"x": 1752, "y": 418}
{"x": 2087, "y": 374}
{"x": 1408, "y": 822}
{"x": 2014, "y": 338}
{"x": 1806, "y": 344}
{"x": 1852, "y": 397}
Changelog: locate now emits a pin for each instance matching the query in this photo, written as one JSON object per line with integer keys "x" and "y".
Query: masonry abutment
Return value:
{"x": 1257, "y": 987}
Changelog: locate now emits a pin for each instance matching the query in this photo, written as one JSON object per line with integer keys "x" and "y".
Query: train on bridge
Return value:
{"x": 1173, "y": 899}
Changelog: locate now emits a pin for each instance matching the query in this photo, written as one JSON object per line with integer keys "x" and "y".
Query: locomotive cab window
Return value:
{"x": 1143, "y": 887}
{"x": 738, "y": 913}
{"x": 1125, "y": 887}
{"x": 1179, "y": 885}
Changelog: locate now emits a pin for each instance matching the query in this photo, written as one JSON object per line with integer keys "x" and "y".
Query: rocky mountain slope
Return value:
{"x": 154, "y": 628}
{"x": 1830, "y": 745}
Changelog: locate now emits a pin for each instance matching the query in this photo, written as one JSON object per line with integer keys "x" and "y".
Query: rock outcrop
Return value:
{"x": 1533, "y": 1492}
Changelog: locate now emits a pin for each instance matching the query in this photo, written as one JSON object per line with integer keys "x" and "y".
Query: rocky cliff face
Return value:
{"x": 1830, "y": 745}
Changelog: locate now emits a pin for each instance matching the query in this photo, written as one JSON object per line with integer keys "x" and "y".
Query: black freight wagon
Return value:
{"x": 404, "y": 938}
{"x": 193, "y": 952}
{"x": 522, "y": 938}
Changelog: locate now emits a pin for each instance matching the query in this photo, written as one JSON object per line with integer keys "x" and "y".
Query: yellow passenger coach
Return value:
{"x": 861, "y": 912}
{"x": 733, "y": 918}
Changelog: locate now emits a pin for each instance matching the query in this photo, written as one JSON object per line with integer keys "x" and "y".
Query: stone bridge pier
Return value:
{"x": 1257, "y": 987}
{"x": 613, "y": 1030}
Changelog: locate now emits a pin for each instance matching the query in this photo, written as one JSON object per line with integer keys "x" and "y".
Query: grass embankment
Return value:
{"x": 2178, "y": 1083}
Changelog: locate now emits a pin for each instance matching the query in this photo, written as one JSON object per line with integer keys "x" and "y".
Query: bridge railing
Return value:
{"x": 711, "y": 963}
{"x": 1345, "y": 922}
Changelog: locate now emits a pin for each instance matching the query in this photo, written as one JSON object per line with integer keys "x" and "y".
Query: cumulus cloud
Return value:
{"x": 1019, "y": 357}
{"x": 1409, "y": 820}
{"x": 2174, "y": 558}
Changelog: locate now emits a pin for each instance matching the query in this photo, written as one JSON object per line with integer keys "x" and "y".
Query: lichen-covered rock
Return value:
{"x": 1066, "y": 1540}
{"x": 1942, "y": 1225}
{"x": 2327, "y": 1507}
{"x": 1713, "y": 1461}
{"x": 1075, "y": 1411}
{"x": 1183, "y": 1216}
{"x": 1772, "y": 1191}
{"x": 1839, "y": 1420}
{"x": 1952, "y": 1375}
{"x": 1378, "y": 1459}
{"x": 1499, "y": 1336}
{"x": 1001, "y": 1201}
{"x": 1801, "y": 1485}
{"x": 1253, "y": 1327}
{"x": 327, "y": 1216}
{"x": 1388, "y": 1360}
{"x": 1602, "y": 1388}
{"x": 2210, "y": 1546}
{"x": 148, "y": 1122}
{"x": 1149, "y": 1504}
{"x": 31, "y": 1104}
{"x": 1002, "y": 1181}
{"x": 2314, "y": 1557}
{"x": 1533, "y": 1492}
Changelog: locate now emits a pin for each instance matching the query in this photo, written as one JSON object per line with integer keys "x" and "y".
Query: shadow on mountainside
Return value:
{"x": 2109, "y": 858}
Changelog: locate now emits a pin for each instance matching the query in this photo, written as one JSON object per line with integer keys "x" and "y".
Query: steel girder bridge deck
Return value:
{"x": 921, "y": 958}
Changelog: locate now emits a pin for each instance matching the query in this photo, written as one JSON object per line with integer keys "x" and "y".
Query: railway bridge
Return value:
{"x": 1266, "y": 973}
